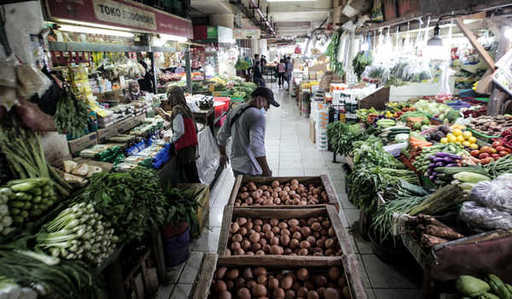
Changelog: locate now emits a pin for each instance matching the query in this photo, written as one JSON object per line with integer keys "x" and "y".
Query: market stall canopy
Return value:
{"x": 123, "y": 14}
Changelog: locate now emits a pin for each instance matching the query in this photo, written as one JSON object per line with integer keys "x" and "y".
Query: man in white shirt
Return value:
{"x": 246, "y": 126}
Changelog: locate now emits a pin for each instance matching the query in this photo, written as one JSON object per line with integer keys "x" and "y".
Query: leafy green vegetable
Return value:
{"x": 361, "y": 61}
{"x": 341, "y": 136}
{"x": 72, "y": 116}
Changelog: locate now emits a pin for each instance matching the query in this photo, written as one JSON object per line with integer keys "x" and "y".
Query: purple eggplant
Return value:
{"x": 451, "y": 165}
{"x": 431, "y": 177}
{"x": 440, "y": 164}
{"x": 447, "y": 155}
{"x": 437, "y": 160}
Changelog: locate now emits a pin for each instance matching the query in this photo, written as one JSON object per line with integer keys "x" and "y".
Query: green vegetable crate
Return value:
{"x": 348, "y": 266}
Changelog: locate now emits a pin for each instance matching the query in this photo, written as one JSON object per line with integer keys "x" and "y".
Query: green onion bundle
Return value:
{"x": 78, "y": 232}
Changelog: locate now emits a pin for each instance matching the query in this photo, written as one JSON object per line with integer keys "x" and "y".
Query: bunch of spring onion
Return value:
{"x": 28, "y": 198}
{"x": 5, "y": 216}
{"x": 78, "y": 232}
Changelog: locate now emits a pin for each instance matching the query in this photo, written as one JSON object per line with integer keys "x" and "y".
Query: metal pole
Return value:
{"x": 188, "y": 69}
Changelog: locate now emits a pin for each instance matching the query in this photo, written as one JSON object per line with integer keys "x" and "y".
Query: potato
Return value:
{"x": 329, "y": 252}
{"x": 287, "y": 282}
{"x": 237, "y": 238}
{"x": 235, "y": 246}
{"x": 320, "y": 280}
{"x": 294, "y": 243}
{"x": 293, "y": 222}
{"x": 276, "y": 229}
{"x": 273, "y": 283}
{"x": 274, "y": 222}
{"x": 260, "y": 271}
{"x": 244, "y": 293}
{"x": 237, "y": 204}
{"x": 317, "y": 235}
{"x": 277, "y": 201}
{"x": 266, "y": 248}
{"x": 267, "y": 227}
{"x": 302, "y": 274}
{"x": 275, "y": 184}
{"x": 258, "y": 222}
{"x": 320, "y": 243}
{"x": 264, "y": 187}
{"x": 313, "y": 295}
{"x": 331, "y": 232}
{"x": 263, "y": 242}
{"x": 341, "y": 282}
{"x": 306, "y": 231}
{"x": 261, "y": 279}
{"x": 309, "y": 285}
{"x": 316, "y": 226}
{"x": 297, "y": 235}
{"x": 249, "y": 225}
{"x": 283, "y": 225}
{"x": 234, "y": 227}
{"x": 276, "y": 249}
{"x": 225, "y": 295}
{"x": 294, "y": 182}
{"x": 278, "y": 293}
{"x": 243, "y": 189}
{"x": 331, "y": 293}
{"x": 294, "y": 187}
{"x": 220, "y": 286}
{"x": 285, "y": 240}
{"x": 240, "y": 282}
{"x": 239, "y": 251}
{"x": 254, "y": 237}
{"x": 274, "y": 241}
{"x": 302, "y": 292}
{"x": 305, "y": 244}
{"x": 259, "y": 290}
{"x": 346, "y": 292}
{"x": 324, "y": 232}
{"x": 244, "y": 195}
{"x": 329, "y": 243}
{"x": 251, "y": 283}
{"x": 290, "y": 294}
{"x": 250, "y": 253}
{"x": 269, "y": 235}
{"x": 232, "y": 274}
{"x": 334, "y": 273}
{"x": 219, "y": 274}
{"x": 303, "y": 252}
{"x": 287, "y": 251}
{"x": 321, "y": 292}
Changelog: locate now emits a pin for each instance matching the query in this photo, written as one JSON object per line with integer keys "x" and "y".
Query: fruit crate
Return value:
{"x": 322, "y": 181}
{"x": 230, "y": 214}
{"x": 349, "y": 265}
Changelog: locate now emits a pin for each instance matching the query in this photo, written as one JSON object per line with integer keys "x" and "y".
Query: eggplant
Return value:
{"x": 438, "y": 159}
{"x": 432, "y": 165}
{"x": 440, "y": 164}
{"x": 451, "y": 165}
{"x": 431, "y": 177}
{"x": 447, "y": 155}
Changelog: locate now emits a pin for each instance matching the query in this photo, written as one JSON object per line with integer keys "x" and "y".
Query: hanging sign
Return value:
{"x": 120, "y": 13}
{"x": 247, "y": 33}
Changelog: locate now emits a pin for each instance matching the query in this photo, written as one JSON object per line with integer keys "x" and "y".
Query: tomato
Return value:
{"x": 475, "y": 153}
{"x": 500, "y": 148}
{"x": 497, "y": 143}
{"x": 485, "y": 149}
{"x": 486, "y": 161}
{"x": 503, "y": 153}
{"x": 495, "y": 156}
{"x": 483, "y": 155}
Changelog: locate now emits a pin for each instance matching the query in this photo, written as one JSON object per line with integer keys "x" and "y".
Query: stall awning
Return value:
{"x": 123, "y": 14}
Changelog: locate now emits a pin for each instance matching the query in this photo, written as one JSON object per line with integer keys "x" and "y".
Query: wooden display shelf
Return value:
{"x": 322, "y": 180}
{"x": 326, "y": 210}
{"x": 349, "y": 263}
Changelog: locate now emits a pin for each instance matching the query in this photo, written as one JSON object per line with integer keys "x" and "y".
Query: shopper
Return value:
{"x": 263, "y": 62}
{"x": 281, "y": 69}
{"x": 134, "y": 92}
{"x": 289, "y": 70}
{"x": 246, "y": 126}
{"x": 257, "y": 75}
{"x": 184, "y": 134}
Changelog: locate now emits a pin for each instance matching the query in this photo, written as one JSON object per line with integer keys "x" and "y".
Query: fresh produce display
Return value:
{"x": 489, "y": 287}
{"x": 289, "y": 193}
{"x": 133, "y": 201}
{"x": 314, "y": 236}
{"x": 260, "y": 282}
{"x": 441, "y": 159}
{"x": 78, "y": 232}
{"x": 72, "y": 116}
{"x": 437, "y": 110}
{"x": 464, "y": 138}
{"x": 430, "y": 231}
{"x": 25, "y": 155}
{"x": 6, "y": 222}
{"x": 341, "y": 135}
{"x": 423, "y": 161}
{"x": 500, "y": 167}
{"x": 491, "y": 125}
{"x": 28, "y": 199}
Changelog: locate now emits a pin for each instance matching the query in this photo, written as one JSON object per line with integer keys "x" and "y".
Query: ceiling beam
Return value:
{"x": 474, "y": 41}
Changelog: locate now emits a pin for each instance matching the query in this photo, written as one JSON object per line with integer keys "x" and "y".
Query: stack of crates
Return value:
{"x": 320, "y": 113}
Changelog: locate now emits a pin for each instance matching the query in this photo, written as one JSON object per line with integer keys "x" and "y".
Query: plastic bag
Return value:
{"x": 31, "y": 81}
{"x": 7, "y": 73}
{"x": 482, "y": 217}
{"x": 496, "y": 194}
{"x": 8, "y": 97}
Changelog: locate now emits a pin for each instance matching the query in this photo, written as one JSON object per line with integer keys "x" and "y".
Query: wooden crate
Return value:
{"x": 326, "y": 210}
{"x": 106, "y": 133}
{"x": 322, "y": 180}
{"x": 128, "y": 124}
{"x": 201, "y": 287}
{"x": 76, "y": 145}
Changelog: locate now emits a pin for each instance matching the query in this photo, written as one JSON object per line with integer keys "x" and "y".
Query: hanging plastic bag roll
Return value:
{"x": 31, "y": 81}
{"x": 496, "y": 194}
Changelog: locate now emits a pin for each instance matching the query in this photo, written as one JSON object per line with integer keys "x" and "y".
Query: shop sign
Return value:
{"x": 247, "y": 33}
{"x": 120, "y": 13}
{"x": 225, "y": 35}
{"x": 212, "y": 33}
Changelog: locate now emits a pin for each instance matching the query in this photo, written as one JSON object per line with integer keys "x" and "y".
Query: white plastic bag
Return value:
{"x": 478, "y": 216}
{"x": 31, "y": 81}
{"x": 496, "y": 194}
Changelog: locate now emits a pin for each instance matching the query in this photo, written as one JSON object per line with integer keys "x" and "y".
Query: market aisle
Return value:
{"x": 291, "y": 153}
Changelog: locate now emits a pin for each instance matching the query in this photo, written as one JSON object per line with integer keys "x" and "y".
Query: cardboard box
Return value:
{"x": 312, "y": 131}
{"x": 107, "y": 132}
{"x": 76, "y": 145}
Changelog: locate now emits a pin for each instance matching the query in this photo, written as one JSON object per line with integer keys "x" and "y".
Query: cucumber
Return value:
{"x": 455, "y": 170}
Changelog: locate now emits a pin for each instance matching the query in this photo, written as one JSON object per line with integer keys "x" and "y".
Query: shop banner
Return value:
{"x": 120, "y": 13}
{"x": 247, "y": 33}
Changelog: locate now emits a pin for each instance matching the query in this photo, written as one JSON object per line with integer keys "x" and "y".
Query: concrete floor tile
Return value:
{"x": 363, "y": 246}
{"x": 352, "y": 216}
{"x": 191, "y": 268}
{"x": 383, "y": 275}
{"x": 291, "y": 171}
{"x": 314, "y": 171}
{"x": 345, "y": 203}
{"x": 291, "y": 164}
{"x": 181, "y": 291}
{"x": 173, "y": 273}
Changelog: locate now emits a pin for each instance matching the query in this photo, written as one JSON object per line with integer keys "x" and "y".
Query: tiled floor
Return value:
{"x": 291, "y": 153}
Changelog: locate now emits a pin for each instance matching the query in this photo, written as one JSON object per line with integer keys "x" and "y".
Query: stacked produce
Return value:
{"x": 258, "y": 282}
{"x": 438, "y": 110}
{"x": 341, "y": 135}
{"x": 430, "y": 231}
{"x": 464, "y": 138}
{"x": 290, "y": 193}
{"x": 312, "y": 236}
{"x": 5, "y": 215}
{"x": 395, "y": 133}
{"x": 423, "y": 161}
{"x": 491, "y": 125}
{"x": 490, "y": 288}
{"x": 80, "y": 233}
{"x": 28, "y": 199}
{"x": 72, "y": 116}
{"x": 441, "y": 159}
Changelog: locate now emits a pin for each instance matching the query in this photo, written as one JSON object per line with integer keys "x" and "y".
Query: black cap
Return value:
{"x": 267, "y": 94}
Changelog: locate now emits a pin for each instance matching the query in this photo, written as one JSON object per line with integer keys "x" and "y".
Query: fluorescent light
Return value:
{"x": 172, "y": 37}
{"x": 82, "y": 29}
{"x": 290, "y": 0}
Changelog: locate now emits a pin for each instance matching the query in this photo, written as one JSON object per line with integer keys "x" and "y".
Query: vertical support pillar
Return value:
{"x": 188, "y": 69}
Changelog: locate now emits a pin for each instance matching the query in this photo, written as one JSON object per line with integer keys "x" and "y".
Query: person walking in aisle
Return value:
{"x": 289, "y": 70}
{"x": 281, "y": 69}
{"x": 184, "y": 134}
{"x": 246, "y": 127}
{"x": 258, "y": 76}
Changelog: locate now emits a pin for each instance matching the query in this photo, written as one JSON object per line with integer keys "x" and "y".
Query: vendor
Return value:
{"x": 134, "y": 92}
{"x": 184, "y": 136}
